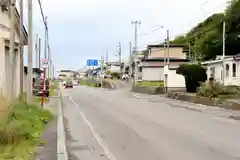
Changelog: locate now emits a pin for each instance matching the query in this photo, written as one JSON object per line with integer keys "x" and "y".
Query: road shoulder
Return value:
{"x": 221, "y": 112}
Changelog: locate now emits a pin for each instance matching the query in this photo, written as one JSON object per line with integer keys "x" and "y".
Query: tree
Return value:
{"x": 194, "y": 74}
{"x": 179, "y": 40}
{"x": 232, "y": 20}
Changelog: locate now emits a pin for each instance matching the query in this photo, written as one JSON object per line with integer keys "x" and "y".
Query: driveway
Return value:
{"x": 110, "y": 124}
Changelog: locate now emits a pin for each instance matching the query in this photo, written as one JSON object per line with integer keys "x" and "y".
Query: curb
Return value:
{"x": 61, "y": 142}
{"x": 199, "y": 107}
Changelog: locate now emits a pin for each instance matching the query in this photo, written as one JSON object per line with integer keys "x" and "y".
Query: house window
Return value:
{"x": 234, "y": 69}
{"x": 227, "y": 70}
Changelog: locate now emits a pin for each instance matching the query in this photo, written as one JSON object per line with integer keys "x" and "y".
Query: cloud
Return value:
{"x": 82, "y": 29}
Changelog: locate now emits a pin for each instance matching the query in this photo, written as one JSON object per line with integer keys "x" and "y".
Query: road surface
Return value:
{"x": 110, "y": 124}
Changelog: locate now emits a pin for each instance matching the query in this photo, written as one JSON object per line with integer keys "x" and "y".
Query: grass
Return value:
{"x": 20, "y": 128}
{"x": 90, "y": 83}
{"x": 151, "y": 83}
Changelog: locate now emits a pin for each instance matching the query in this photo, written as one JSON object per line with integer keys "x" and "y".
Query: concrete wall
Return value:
{"x": 2, "y": 67}
{"x": 172, "y": 80}
{"x": 175, "y": 52}
{"x": 4, "y": 56}
{"x": 5, "y": 26}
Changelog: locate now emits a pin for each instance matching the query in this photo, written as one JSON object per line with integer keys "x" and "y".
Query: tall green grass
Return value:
{"x": 20, "y": 128}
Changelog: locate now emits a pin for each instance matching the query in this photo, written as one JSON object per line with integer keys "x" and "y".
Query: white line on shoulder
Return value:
{"x": 108, "y": 153}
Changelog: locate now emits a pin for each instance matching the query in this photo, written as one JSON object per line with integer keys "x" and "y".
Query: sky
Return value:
{"x": 86, "y": 29}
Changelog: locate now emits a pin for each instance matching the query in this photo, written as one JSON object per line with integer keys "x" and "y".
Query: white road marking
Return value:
{"x": 61, "y": 142}
{"x": 100, "y": 141}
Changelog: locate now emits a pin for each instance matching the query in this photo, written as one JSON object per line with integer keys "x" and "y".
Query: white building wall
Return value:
{"x": 4, "y": 56}
{"x": 229, "y": 78}
{"x": 2, "y": 67}
{"x": 5, "y": 27}
{"x": 172, "y": 79}
{"x": 113, "y": 68}
{"x": 152, "y": 74}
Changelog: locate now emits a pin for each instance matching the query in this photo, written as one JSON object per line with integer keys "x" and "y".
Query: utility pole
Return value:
{"x": 102, "y": 62}
{"x": 21, "y": 49}
{"x": 36, "y": 49}
{"x": 106, "y": 56}
{"x": 45, "y": 43}
{"x": 136, "y": 23}
{"x": 49, "y": 61}
{"x": 165, "y": 52}
{"x": 39, "y": 53}
{"x": 12, "y": 49}
{"x": 106, "y": 62}
{"x": 130, "y": 60}
{"x": 135, "y": 47}
{"x": 168, "y": 54}
{"x": 30, "y": 50}
{"x": 223, "y": 50}
{"x": 120, "y": 56}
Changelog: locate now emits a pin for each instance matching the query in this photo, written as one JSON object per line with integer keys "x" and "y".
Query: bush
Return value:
{"x": 194, "y": 74}
{"x": 90, "y": 82}
{"x": 20, "y": 130}
{"x": 211, "y": 89}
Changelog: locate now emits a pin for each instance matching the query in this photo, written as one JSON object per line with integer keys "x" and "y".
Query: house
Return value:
{"x": 66, "y": 74}
{"x": 114, "y": 66}
{"x": 5, "y": 47}
{"x": 231, "y": 74}
{"x": 176, "y": 51}
{"x": 151, "y": 67}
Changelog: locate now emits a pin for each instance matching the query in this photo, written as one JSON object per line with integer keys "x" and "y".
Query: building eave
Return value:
{"x": 162, "y": 60}
{"x": 170, "y": 45}
{"x": 17, "y": 15}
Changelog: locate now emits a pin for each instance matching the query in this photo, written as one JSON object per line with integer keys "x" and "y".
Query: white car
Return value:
{"x": 125, "y": 77}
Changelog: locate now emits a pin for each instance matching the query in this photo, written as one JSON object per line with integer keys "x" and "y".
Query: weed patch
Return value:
{"x": 20, "y": 130}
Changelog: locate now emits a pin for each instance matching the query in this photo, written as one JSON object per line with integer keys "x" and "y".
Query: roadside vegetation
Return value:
{"x": 207, "y": 35}
{"x": 150, "y": 83}
{"x": 90, "y": 83}
{"x": 20, "y": 128}
{"x": 213, "y": 89}
{"x": 196, "y": 82}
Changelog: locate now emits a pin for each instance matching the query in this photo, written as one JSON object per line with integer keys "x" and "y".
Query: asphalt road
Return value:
{"x": 111, "y": 124}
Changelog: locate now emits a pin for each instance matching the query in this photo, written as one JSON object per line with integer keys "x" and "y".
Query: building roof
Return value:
{"x": 170, "y": 45}
{"x": 113, "y": 63}
{"x": 162, "y": 60}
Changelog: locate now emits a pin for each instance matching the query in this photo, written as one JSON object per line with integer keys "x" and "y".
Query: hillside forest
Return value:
{"x": 204, "y": 41}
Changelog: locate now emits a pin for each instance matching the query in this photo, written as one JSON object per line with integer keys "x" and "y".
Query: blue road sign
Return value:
{"x": 92, "y": 62}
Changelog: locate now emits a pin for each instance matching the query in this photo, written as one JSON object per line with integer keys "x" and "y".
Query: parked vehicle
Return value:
{"x": 69, "y": 84}
{"x": 38, "y": 87}
{"x": 125, "y": 77}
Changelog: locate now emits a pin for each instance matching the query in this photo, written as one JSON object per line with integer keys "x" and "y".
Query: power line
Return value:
{"x": 41, "y": 10}
{"x": 144, "y": 34}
